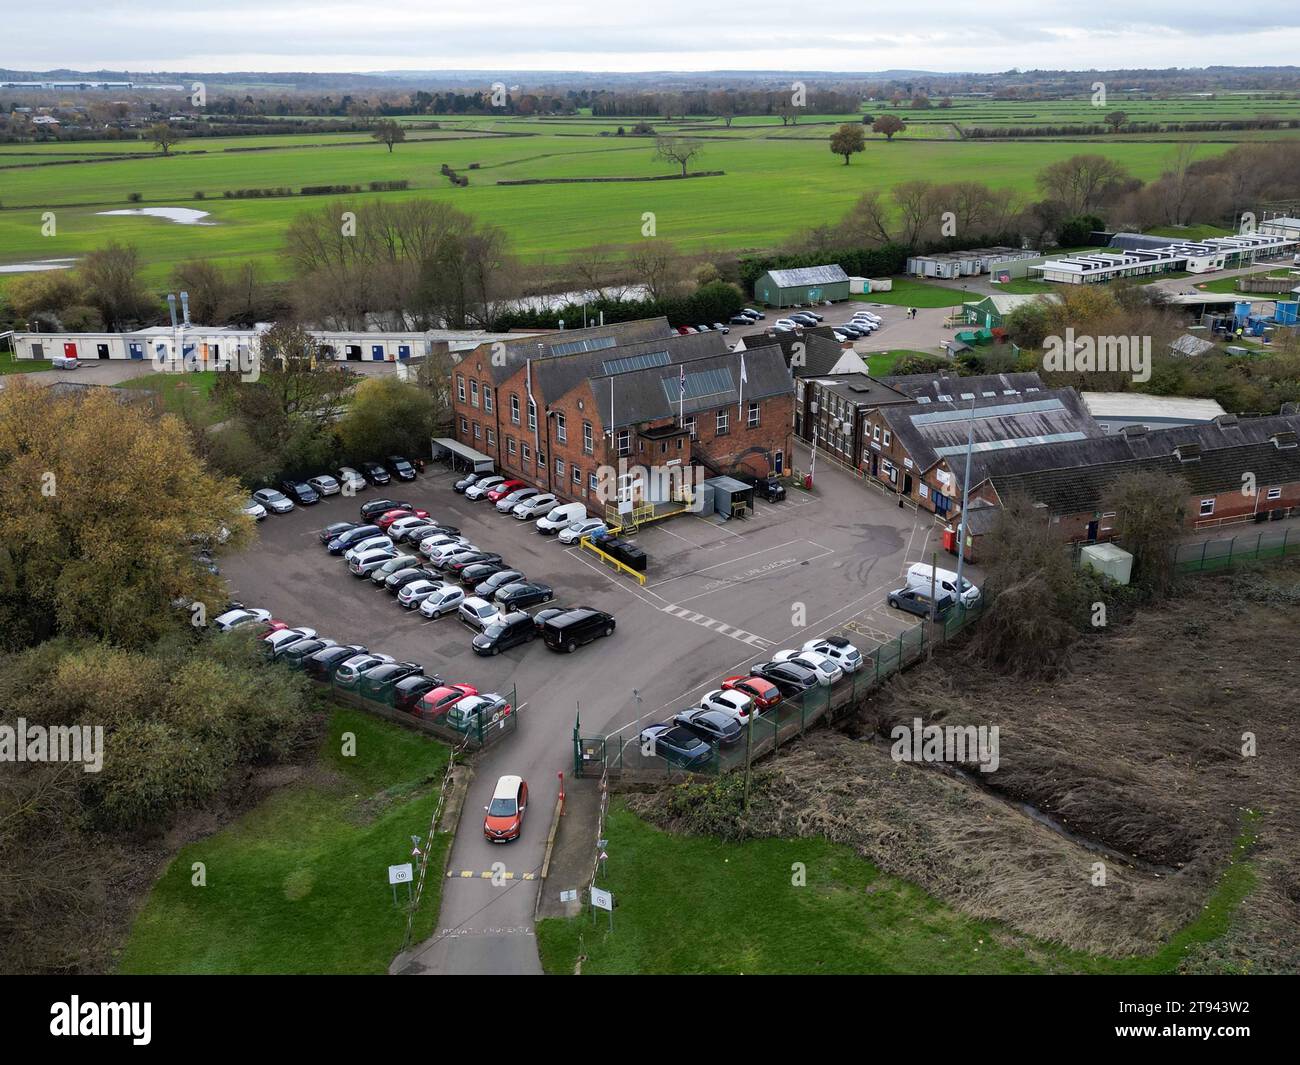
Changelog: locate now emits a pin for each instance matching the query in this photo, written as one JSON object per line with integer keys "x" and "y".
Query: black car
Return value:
{"x": 488, "y": 588}
{"x": 334, "y": 530}
{"x": 379, "y": 682}
{"x": 374, "y": 473}
{"x": 395, "y": 582}
{"x": 323, "y": 663}
{"x": 768, "y": 488}
{"x": 416, "y": 533}
{"x": 676, "y": 744}
{"x": 790, "y": 678}
{"x": 476, "y": 572}
{"x": 569, "y": 630}
{"x": 354, "y": 535}
{"x": 300, "y": 492}
{"x": 522, "y": 594}
{"x": 458, "y": 567}
{"x": 466, "y": 482}
{"x": 408, "y": 690}
{"x": 376, "y": 507}
{"x": 712, "y": 726}
{"x": 741, "y": 319}
{"x": 296, "y": 654}
{"x": 400, "y": 467}
{"x": 504, "y": 633}
{"x": 543, "y": 616}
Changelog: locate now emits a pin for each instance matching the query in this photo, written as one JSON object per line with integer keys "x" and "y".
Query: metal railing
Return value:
{"x": 473, "y": 732}
{"x": 1220, "y": 554}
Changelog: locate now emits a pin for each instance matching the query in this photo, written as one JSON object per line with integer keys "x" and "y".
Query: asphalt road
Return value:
{"x": 719, "y": 598}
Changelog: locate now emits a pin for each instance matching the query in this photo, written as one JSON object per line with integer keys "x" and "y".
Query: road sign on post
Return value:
{"x": 401, "y": 874}
{"x": 602, "y": 900}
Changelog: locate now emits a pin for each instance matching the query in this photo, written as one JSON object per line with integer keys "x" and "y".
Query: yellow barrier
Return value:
{"x": 586, "y": 542}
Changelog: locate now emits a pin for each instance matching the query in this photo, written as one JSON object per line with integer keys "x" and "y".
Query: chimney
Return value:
{"x": 1225, "y": 420}
{"x": 185, "y": 306}
{"x": 171, "y": 307}
{"x": 1133, "y": 430}
{"x": 1284, "y": 440}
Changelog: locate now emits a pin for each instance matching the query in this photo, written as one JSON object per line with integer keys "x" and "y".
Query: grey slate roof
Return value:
{"x": 934, "y": 385}
{"x": 541, "y": 346}
{"x": 553, "y": 377}
{"x": 808, "y": 275}
{"x": 821, "y": 351}
{"x": 863, "y": 390}
{"x": 650, "y": 394}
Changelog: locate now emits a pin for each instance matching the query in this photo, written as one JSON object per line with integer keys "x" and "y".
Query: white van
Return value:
{"x": 920, "y": 575}
{"x": 560, "y": 517}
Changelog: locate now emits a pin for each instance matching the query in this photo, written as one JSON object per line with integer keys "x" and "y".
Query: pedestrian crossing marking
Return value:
{"x": 720, "y": 627}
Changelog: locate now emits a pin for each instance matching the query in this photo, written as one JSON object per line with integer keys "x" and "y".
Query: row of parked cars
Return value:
{"x": 721, "y": 717}
{"x": 747, "y": 316}
{"x": 348, "y": 481}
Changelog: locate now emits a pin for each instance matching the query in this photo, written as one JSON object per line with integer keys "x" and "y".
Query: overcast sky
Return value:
{"x": 625, "y": 35}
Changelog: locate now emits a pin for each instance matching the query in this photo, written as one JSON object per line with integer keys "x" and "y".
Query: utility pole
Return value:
{"x": 965, "y": 498}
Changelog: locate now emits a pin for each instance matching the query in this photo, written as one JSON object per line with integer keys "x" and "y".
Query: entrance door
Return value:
{"x": 353, "y": 352}
{"x": 1092, "y": 531}
{"x": 101, "y": 351}
{"x": 404, "y": 351}
{"x": 377, "y": 352}
{"x": 875, "y": 464}
{"x": 70, "y": 349}
{"x": 907, "y": 484}
{"x": 135, "y": 350}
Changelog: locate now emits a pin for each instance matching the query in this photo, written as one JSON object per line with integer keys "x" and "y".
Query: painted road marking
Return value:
{"x": 470, "y": 874}
{"x": 742, "y": 635}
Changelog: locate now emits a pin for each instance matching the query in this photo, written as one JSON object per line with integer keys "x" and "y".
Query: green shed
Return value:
{"x": 809, "y": 284}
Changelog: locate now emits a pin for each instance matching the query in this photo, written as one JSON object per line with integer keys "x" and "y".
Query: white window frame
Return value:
{"x": 1204, "y": 504}
{"x": 722, "y": 423}
{"x": 751, "y": 417}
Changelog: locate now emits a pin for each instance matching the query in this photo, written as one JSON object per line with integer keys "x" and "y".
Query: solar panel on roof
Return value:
{"x": 642, "y": 361}
{"x": 996, "y": 410}
{"x": 572, "y": 347}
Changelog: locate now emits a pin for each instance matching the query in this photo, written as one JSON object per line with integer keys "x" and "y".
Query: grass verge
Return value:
{"x": 909, "y": 293}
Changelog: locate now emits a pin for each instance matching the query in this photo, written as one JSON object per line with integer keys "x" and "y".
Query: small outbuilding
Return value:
{"x": 809, "y": 284}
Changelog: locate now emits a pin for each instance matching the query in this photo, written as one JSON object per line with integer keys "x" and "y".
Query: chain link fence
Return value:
{"x": 1220, "y": 554}
{"x": 483, "y": 725}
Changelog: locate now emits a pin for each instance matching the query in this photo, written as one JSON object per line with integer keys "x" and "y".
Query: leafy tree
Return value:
{"x": 848, "y": 140}
{"x": 1116, "y": 119}
{"x": 386, "y": 416}
{"x": 111, "y": 283}
{"x": 888, "y": 125}
{"x": 164, "y": 135}
{"x": 1149, "y": 507}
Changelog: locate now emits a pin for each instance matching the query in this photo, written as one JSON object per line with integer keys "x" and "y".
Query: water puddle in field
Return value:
{"x": 184, "y": 216}
{"x": 41, "y": 264}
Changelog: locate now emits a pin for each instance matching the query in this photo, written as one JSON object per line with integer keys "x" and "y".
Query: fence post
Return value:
{"x": 1285, "y": 534}
{"x": 1230, "y": 546}
{"x": 1259, "y": 540}
{"x": 1204, "y": 545}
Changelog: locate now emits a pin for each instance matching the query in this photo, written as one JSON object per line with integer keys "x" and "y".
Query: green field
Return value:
{"x": 778, "y": 181}
{"x": 690, "y": 904}
{"x": 908, "y": 293}
{"x": 298, "y": 884}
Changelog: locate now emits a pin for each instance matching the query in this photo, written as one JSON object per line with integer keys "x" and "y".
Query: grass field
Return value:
{"x": 881, "y": 363}
{"x": 908, "y": 293}
{"x": 678, "y": 912}
{"x": 8, "y": 364}
{"x": 298, "y": 885}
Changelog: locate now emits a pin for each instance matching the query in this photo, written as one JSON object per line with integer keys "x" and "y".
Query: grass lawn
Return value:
{"x": 182, "y": 391}
{"x": 299, "y": 884}
{"x": 881, "y": 363}
{"x": 1229, "y": 284}
{"x": 909, "y": 293}
{"x": 8, "y": 364}
{"x": 676, "y": 912}
{"x": 1026, "y": 286}
{"x": 1199, "y": 232}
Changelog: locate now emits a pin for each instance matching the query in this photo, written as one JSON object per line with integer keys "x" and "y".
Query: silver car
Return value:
{"x": 364, "y": 565}
{"x": 446, "y": 600}
{"x": 349, "y": 674}
{"x": 325, "y": 485}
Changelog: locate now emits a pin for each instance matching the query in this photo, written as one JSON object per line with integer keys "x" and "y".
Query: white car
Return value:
{"x": 477, "y": 613}
{"x": 735, "y": 704}
{"x": 533, "y": 506}
{"x": 415, "y": 593}
{"x": 233, "y": 619}
{"x": 325, "y": 485}
{"x": 441, "y": 556}
{"x": 281, "y": 638}
{"x": 254, "y": 510}
{"x": 826, "y": 669}
{"x": 350, "y": 481}
{"x": 432, "y": 543}
{"x": 787, "y": 323}
{"x": 839, "y": 650}
{"x": 350, "y": 672}
{"x": 579, "y": 529}
{"x": 480, "y": 489}
{"x": 401, "y": 525}
{"x": 370, "y": 543}
{"x": 446, "y": 600}
{"x": 364, "y": 564}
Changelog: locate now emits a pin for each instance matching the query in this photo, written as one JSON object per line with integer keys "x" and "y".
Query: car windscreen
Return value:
{"x": 502, "y": 808}
{"x": 494, "y": 630}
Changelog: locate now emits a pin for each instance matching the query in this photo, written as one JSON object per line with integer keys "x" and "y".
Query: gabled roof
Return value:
{"x": 935, "y": 386}
{"x": 808, "y": 275}
{"x": 862, "y": 390}
{"x": 1187, "y": 344}
{"x": 567, "y": 342}
{"x": 553, "y": 377}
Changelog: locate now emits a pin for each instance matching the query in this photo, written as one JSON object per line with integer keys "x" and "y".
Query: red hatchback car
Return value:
{"x": 505, "y": 815}
{"x": 764, "y": 693}
{"x": 440, "y": 700}
{"x": 504, "y": 489}
{"x": 389, "y": 516}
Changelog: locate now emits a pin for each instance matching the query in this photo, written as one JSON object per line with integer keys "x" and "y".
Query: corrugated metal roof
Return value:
{"x": 808, "y": 275}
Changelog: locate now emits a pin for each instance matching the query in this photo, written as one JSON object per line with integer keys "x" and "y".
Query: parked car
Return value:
{"x": 325, "y": 485}
{"x": 480, "y": 488}
{"x": 398, "y": 513}
{"x": 377, "y": 683}
{"x": 920, "y": 603}
{"x": 334, "y": 530}
{"x": 792, "y": 678}
{"x": 713, "y": 726}
{"x": 371, "y": 543}
{"x": 786, "y": 323}
{"x": 534, "y": 506}
{"x": 346, "y": 541}
{"x": 921, "y": 576}
{"x": 274, "y": 501}
{"x": 769, "y": 487}
{"x": 475, "y": 713}
{"x": 410, "y": 690}
{"x": 350, "y": 671}
{"x": 375, "y": 474}
{"x": 579, "y": 529}
{"x": 546, "y": 613}
{"x": 300, "y": 492}
{"x": 375, "y": 507}
{"x": 432, "y": 543}
{"x": 742, "y": 319}
{"x": 838, "y": 649}
{"x": 365, "y": 563}
{"x": 764, "y": 693}
{"x": 413, "y": 534}
{"x": 677, "y": 744}
{"x": 728, "y": 701}
{"x": 446, "y": 600}
{"x": 414, "y": 592}
{"x": 827, "y": 671}
{"x": 254, "y": 510}
{"x": 525, "y": 593}
{"x": 400, "y": 467}
{"x": 438, "y": 701}
{"x": 504, "y": 633}
{"x": 442, "y": 557}
{"x": 477, "y": 613}
{"x": 398, "y": 529}
{"x": 572, "y": 629}
{"x": 718, "y": 327}
{"x": 758, "y": 316}
{"x": 502, "y": 489}
{"x": 458, "y": 564}
{"x": 350, "y": 480}
{"x": 399, "y": 582}
{"x": 507, "y": 502}
{"x": 468, "y": 481}
{"x": 297, "y": 652}
{"x": 274, "y": 642}
{"x": 505, "y": 813}
{"x": 486, "y": 589}
{"x": 324, "y": 662}
{"x": 477, "y": 572}
{"x": 234, "y": 619}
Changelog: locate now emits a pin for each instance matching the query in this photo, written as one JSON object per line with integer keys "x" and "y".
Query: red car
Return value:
{"x": 389, "y": 516}
{"x": 270, "y": 626}
{"x": 505, "y": 815}
{"x": 764, "y": 693}
{"x": 440, "y": 700}
{"x": 504, "y": 489}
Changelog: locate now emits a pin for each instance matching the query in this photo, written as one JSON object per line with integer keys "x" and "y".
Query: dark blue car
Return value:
{"x": 676, "y": 744}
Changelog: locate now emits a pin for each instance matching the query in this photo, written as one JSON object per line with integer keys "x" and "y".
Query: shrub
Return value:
{"x": 133, "y": 197}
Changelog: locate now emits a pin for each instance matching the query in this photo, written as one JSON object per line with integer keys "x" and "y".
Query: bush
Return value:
{"x": 133, "y": 197}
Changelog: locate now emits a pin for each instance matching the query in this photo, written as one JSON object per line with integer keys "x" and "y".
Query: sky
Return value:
{"x": 618, "y": 35}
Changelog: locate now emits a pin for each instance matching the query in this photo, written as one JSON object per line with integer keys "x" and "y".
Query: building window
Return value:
{"x": 464, "y": 427}
{"x": 541, "y": 460}
{"x": 514, "y": 409}
{"x": 689, "y": 426}
{"x": 487, "y": 398}
{"x": 473, "y": 393}
{"x": 587, "y": 445}
{"x": 577, "y": 475}
{"x": 491, "y": 438}
{"x": 1275, "y": 493}
{"x": 591, "y": 481}
{"x": 532, "y": 415}
{"x": 526, "y": 453}
{"x": 559, "y": 468}
{"x": 875, "y": 432}
{"x": 888, "y": 437}
{"x": 460, "y": 387}
{"x": 723, "y": 420}
{"x": 561, "y": 430}
{"x": 1207, "y": 507}
{"x": 510, "y": 445}
{"x": 624, "y": 442}
{"x": 477, "y": 431}
{"x": 752, "y": 420}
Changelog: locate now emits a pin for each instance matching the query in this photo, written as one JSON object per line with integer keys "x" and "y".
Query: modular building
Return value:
{"x": 1134, "y": 259}
{"x": 811, "y": 284}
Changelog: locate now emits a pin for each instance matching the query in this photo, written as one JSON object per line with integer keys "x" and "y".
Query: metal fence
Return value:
{"x": 621, "y": 754}
{"x": 1220, "y": 554}
{"x": 472, "y": 732}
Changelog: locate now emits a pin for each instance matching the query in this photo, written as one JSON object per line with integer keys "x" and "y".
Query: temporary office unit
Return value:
{"x": 1108, "y": 560}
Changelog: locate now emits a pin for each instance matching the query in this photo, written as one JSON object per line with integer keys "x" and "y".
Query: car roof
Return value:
{"x": 507, "y": 787}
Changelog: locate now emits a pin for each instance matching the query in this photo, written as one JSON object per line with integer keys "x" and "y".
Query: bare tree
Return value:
{"x": 658, "y": 266}
{"x": 677, "y": 150}
{"x": 1082, "y": 183}
{"x": 164, "y": 135}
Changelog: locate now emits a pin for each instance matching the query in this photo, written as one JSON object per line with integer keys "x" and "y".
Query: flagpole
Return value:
{"x": 740, "y": 407}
